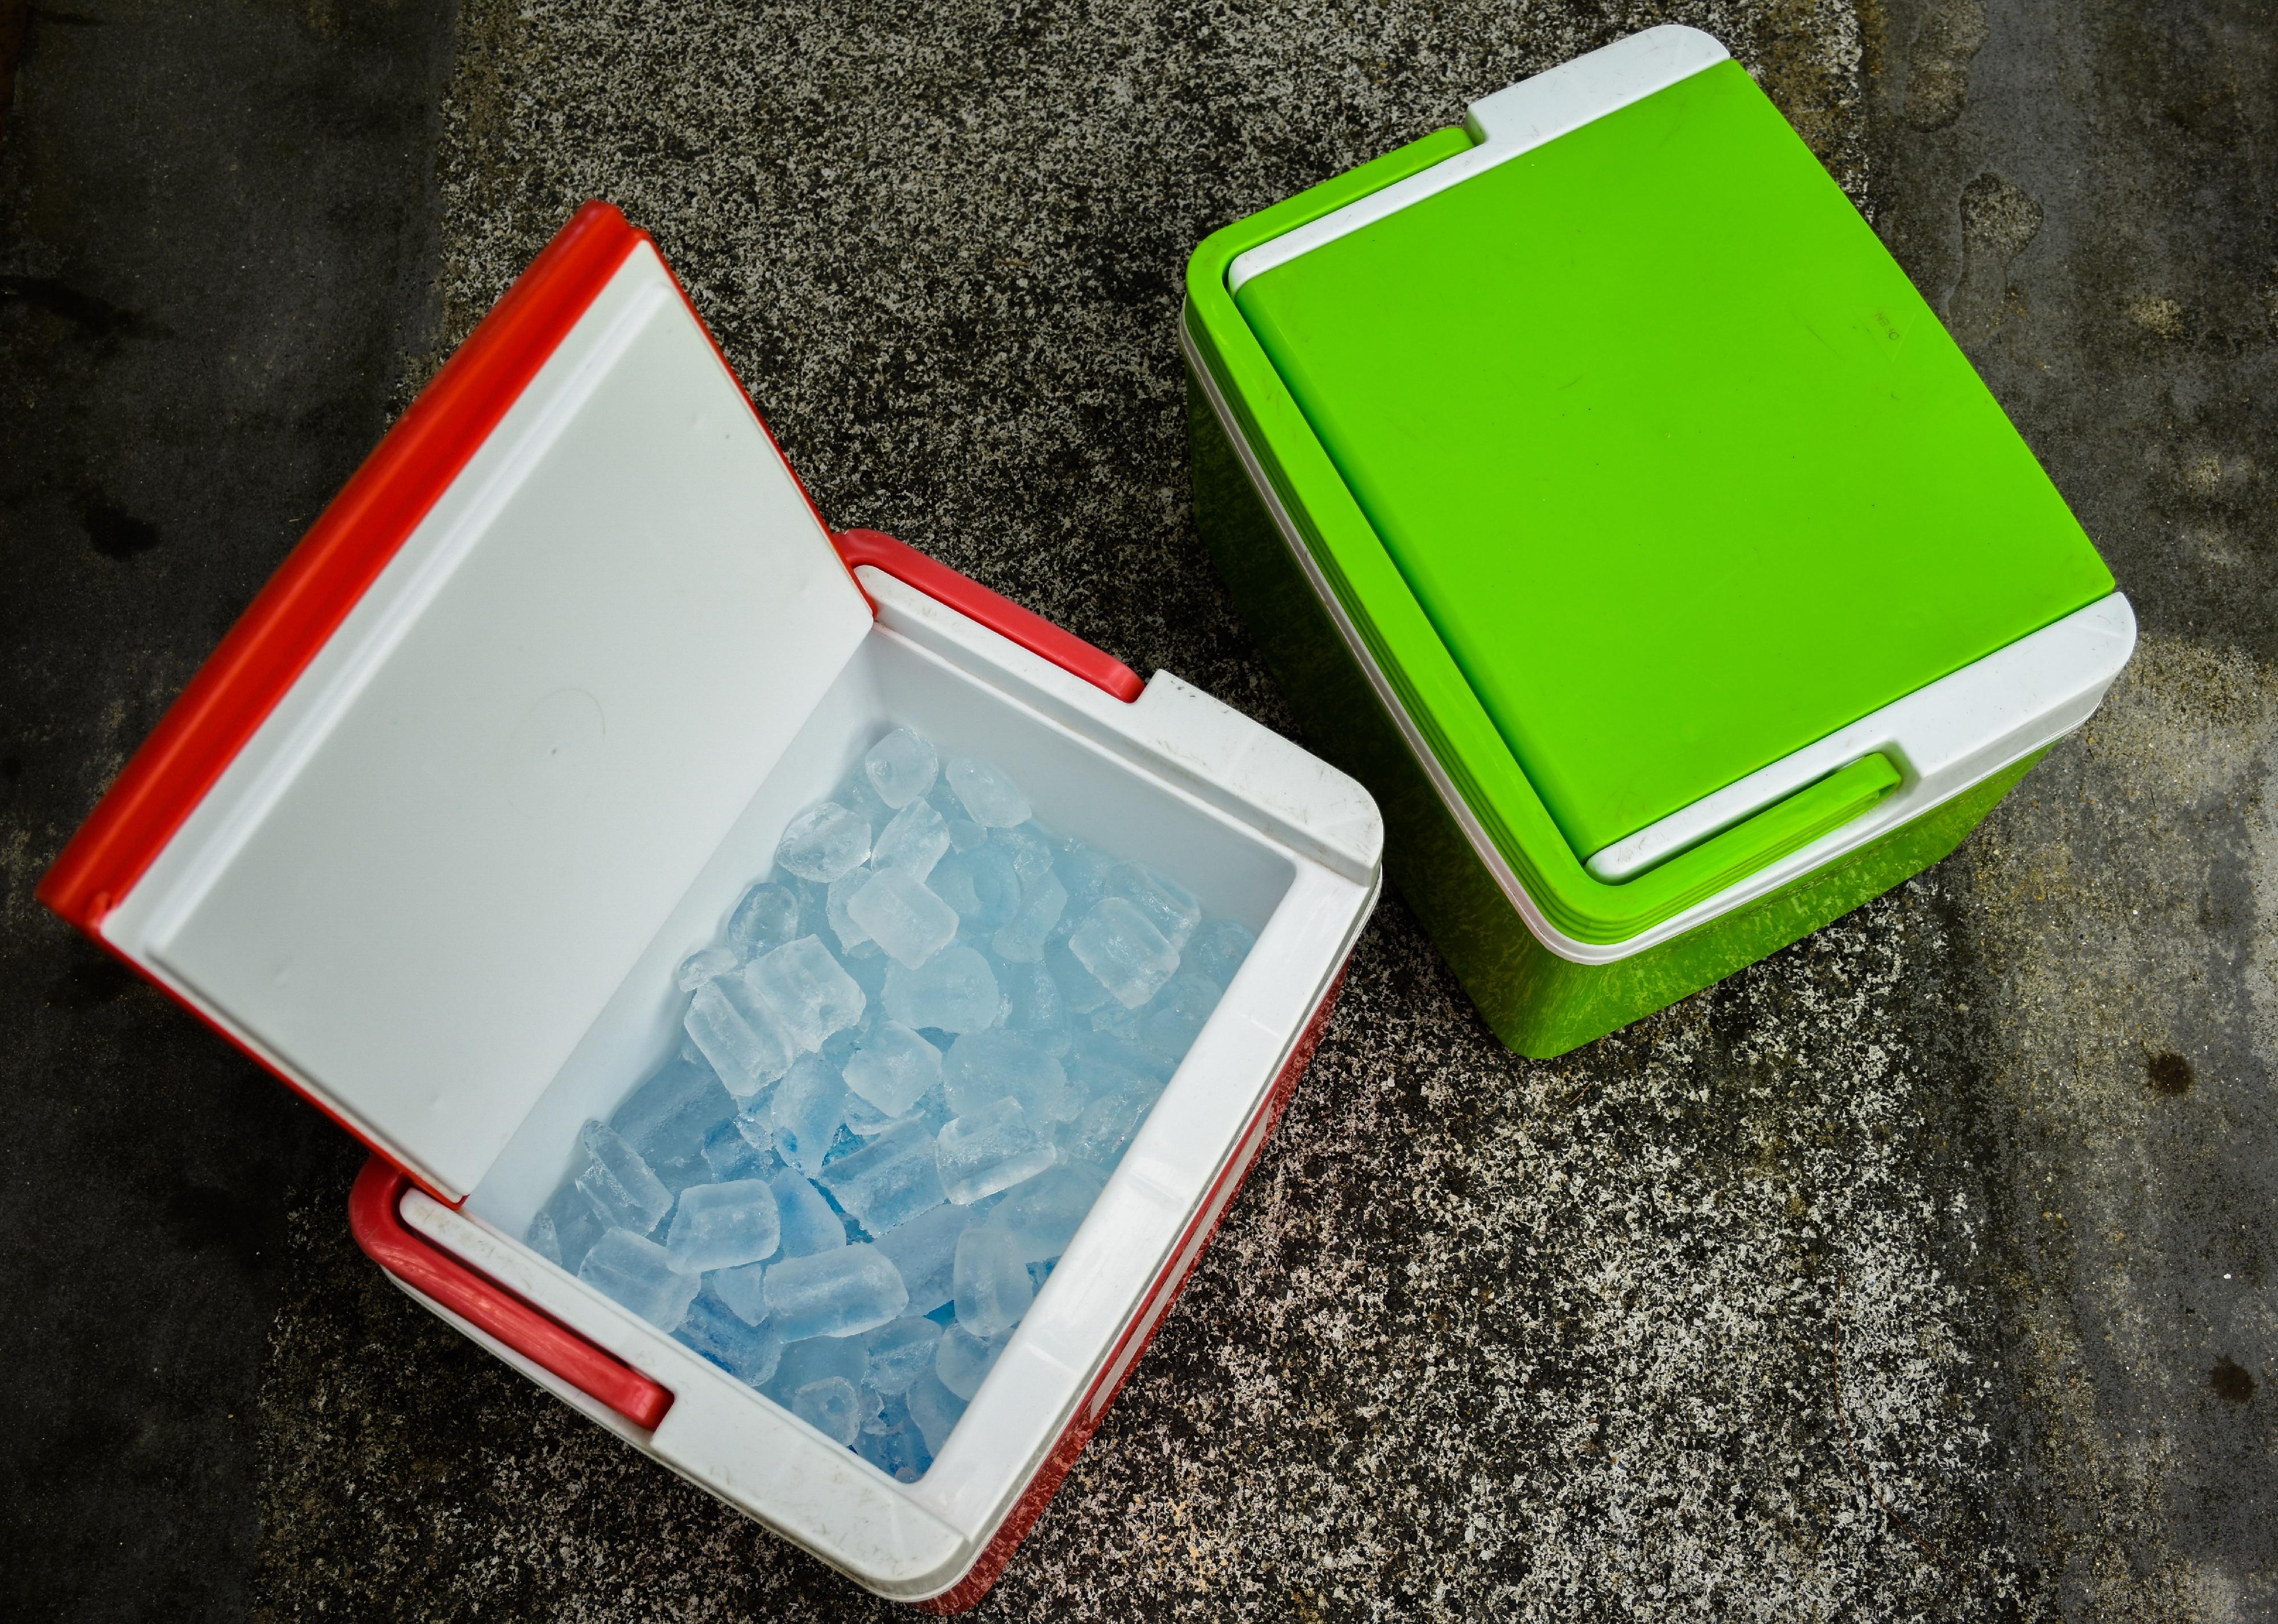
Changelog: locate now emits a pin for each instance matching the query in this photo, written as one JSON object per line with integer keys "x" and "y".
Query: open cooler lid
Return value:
{"x": 1683, "y": 472}
{"x": 409, "y": 828}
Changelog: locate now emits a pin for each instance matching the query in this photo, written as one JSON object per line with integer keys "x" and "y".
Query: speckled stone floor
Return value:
{"x": 1922, "y": 1271}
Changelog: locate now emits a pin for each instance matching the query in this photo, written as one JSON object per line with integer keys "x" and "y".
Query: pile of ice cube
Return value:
{"x": 909, "y": 1064}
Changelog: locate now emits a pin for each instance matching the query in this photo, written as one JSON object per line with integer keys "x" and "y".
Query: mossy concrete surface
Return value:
{"x": 1921, "y": 1272}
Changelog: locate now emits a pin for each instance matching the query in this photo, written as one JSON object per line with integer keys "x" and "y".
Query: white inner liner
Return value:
{"x": 1263, "y": 833}
{"x": 1075, "y": 787}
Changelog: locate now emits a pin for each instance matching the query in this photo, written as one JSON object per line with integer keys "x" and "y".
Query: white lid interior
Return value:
{"x": 424, "y": 877}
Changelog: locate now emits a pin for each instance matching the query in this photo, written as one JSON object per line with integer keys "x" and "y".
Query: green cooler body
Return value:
{"x": 1608, "y": 502}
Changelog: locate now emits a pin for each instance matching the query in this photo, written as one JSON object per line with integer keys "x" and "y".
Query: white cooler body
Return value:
{"x": 505, "y": 740}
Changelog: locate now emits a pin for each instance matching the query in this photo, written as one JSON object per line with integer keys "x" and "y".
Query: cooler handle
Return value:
{"x": 1790, "y": 824}
{"x": 376, "y": 1220}
{"x": 1032, "y": 631}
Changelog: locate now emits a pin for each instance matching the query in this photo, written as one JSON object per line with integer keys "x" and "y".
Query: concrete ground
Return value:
{"x": 1925, "y": 1270}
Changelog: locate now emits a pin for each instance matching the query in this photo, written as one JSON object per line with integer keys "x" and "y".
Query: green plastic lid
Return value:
{"x": 1681, "y": 471}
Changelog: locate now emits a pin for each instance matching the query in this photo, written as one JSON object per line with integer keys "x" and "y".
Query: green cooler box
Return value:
{"x": 1609, "y": 503}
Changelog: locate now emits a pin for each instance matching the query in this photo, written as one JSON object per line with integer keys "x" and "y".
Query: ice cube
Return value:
{"x": 883, "y": 1412}
{"x": 901, "y": 767}
{"x": 713, "y": 1329}
{"x": 1099, "y": 1136}
{"x": 982, "y": 1067}
{"x": 1033, "y": 1010}
{"x": 738, "y": 1036}
{"x": 543, "y": 1236}
{"x": 823, "y": 1358}
{"x": 809, "y": 1225}
{"x": 729, "y": 1154}
{"x": 991, "y": 1282}
{"x": 900, "y": 1352}
{"x": 720, "y": 1225}
{"x": 913, "y": 841}
{"x": 898, "y": 1451}
{"x": 1022, "y": 939}
{"x": 757, "y": 1125}
{"x": 1107, "y": 1059}
{"x": 1084, "y": 872}
{"x": 767, "y": 916}
{"x": 843, "y": 926}
{"x": 858, "y": 796}
{"x": 808, "y": 990}
{"x": 863, "y": 1119}
{"x": 867, "y": 965}
{"x": 1169, "y": 906}
{"x": 893, "y": 1068}
{"x": 637, "y": 1272}
{"x": 962, "y": 1360}
{"x": 889, "y": 1180}
{"x": 1081, "y": 991}
{"x": 993, "y": 800}
{"x": 831, "y": 1406}
{"x": 1169, "y": 1023}
{"x": 740, "y": 1289}
{"x": 905, "y": 919}
{"x": 953, "y": 991}
{"x": 834, "y": 1293}
{"x": 952, "y": 882}
{"x": 1217, "y": 949}
{"x": 823, "y": 841}
{"x": 1030, "y": 852}
{"x": 567, "y": 1226}
{"x": 982, "y": 885}
{"x": 964, "y": 833}
{"x": 989, "y": 1151}
{"x": 934, "y": 1410}
{"x": 1113, "y": 1019}
{"x": 819, "y": 1358}
{"x": 1042, "y": 1214}
{"x": 667, "y": 1118}
{"x": 1120, "y": 945}
{"x": 925, "y": 1251}
{"x": 620, "y": 1185}
{"x": 1099, "y": 1077}
{"x": 808, "y": 1107}
{"x": 813, "y": 908}
{"x": 701, "y": 965}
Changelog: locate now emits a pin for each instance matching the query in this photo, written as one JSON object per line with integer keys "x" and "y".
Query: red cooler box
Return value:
{"x": 503, "y": 741}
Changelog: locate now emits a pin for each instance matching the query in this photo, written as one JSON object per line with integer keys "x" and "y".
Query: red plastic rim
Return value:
{"x": 1032, "y": 631}
{"x": 376, "y": 1218}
